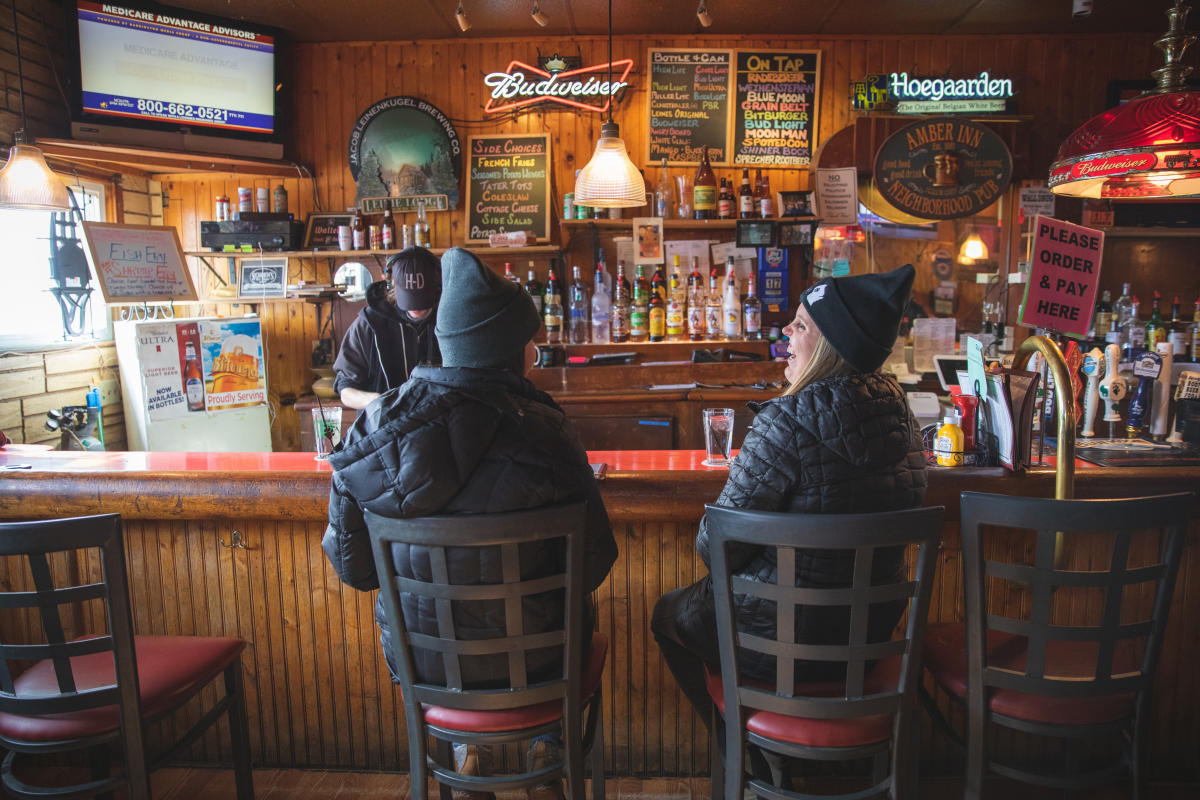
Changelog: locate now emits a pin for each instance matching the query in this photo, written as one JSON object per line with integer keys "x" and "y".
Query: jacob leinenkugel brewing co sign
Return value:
{"x": 943, "y": 168}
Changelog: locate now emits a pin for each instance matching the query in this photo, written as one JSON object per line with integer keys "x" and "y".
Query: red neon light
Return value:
{"x": 627, "y": 63}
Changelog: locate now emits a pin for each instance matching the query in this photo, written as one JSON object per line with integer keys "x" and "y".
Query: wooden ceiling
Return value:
{"x": 398, "y": 20}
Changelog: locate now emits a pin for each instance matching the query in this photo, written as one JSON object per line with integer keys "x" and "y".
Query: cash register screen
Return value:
{"x": 948, "y": 368}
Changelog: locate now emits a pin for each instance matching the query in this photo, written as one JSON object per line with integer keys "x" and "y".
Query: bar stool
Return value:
{"x": 869, "y": 715}
{"x": 515, "y": 706}
{"x": 1070, "y": 681}
{"x": 91, "y": 691}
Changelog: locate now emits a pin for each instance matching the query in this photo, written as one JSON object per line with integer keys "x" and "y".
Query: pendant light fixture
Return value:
{"x": 26, "y": 182}
{"x": 1146, "y": 148}
{"x": 973, "y": 249}
{"x": 610, "y": 180}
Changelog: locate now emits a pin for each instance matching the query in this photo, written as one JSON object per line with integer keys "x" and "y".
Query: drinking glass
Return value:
{"x": 718, "y": 436}
{"x": 683, "y": 206}
{"x": 327, "y": 429}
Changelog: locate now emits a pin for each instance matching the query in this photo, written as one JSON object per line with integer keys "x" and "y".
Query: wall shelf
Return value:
{"x": 1134, "y": 232}
{"x": 136, "y": 160}
{"x": 537, "y": 249}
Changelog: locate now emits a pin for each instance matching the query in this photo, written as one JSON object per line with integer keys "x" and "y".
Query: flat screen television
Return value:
{"x": 162, "y": 68}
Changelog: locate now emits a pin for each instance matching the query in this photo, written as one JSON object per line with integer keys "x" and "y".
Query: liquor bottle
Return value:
{"x": 1102, "y": 316}
{"x": 724, "y": 201}
{"x": 676, "y": 318}
{"x": 704, "y": 189}
{"x": 1179, "y": 333}
{"x": 1120, "y": 317}
{"x": 193, "y": 379}
{"x": 553, "y": 315}
{"x": 358, "y": 231}
{"x": 389, "y": 230}
{"x": 712, "y": 306}
{"x": 746, "y": 197}
{"x": 731, "y": 305}
{"x": 421, "y": 228}
{"x": 553, "y": 284}
{"x": 658, "y": 318}
{"x": 766, "y": 204}
{"x": 601, "y": 307}
{"x": 695, "y": 303}
{"x": 1195, "y": 350}
{"x": 658, "y": 284}
{"x": 534, "y": 289}
{"x": 639, "y": 313}
{"x": 662, "y": 192}
{"x": 1156, "y": 329}
{"x": 751, "y": 311}
{"x": 509, "y": 275}
{"x": 620, "y": 307}
{"x": 577, "y": 307}
{"x": 1134, "y": 334}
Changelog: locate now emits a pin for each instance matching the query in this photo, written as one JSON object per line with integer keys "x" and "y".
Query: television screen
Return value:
{"x": 177, "y": 68}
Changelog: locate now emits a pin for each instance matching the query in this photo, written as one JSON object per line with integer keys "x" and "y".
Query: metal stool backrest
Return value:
{"x": 36, "y": 541}
{"x": 506, "y": 531}
{"x": 787, "y": 533}
{"x": 1164, "y": 517}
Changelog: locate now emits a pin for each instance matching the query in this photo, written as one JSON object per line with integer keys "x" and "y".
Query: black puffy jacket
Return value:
{"x": 462, "y": 441}
{"x": 840, "y": 445}
{"x": 383, "y": 345}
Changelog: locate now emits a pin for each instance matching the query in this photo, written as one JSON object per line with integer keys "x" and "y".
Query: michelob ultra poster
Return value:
{"x": 234, "y": 373}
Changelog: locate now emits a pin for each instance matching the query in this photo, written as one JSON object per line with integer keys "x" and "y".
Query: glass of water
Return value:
{"x": 327, "y": 429}
{"x": 718, "y": 436}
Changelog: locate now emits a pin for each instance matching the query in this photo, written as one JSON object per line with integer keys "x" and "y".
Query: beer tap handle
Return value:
{"x": 1093, "y": 368}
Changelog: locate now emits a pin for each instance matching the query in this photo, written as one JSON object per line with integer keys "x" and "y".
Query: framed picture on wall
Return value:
{"x": 322, "y": 230}
{"x": 794, "y": 203}
{"x": 648, "y": 240}
{"x": 756, "y": 233}
{"x": 795, "y": 234}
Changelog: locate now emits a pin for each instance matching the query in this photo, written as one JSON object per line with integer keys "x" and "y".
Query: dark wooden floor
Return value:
{"x": 269, "y": 784}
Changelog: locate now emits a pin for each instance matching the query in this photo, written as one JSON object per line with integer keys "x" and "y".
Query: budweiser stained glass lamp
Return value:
{"x": 1146, "y": 148}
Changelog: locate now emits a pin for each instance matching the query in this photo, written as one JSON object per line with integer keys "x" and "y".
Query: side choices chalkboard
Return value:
{"x": 136, "y": 263}
{"x": 775, "y": 108}
{"x": 508, "y": 185}
{"x": 689, "y": 105}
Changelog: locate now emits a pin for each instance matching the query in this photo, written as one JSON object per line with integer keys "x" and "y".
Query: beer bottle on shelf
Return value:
{"x": 658, "y": 317}
{"x": 421, "y": 228}
{"x": 1156, "y": 329}
{"x": 758, "y": 192}
{"x": 534, "y": 289}
{"x": 389, "y": 229}
{"x": 695, "y": 303}
{"x": 509, "y": 275}
{"x": 578, "y": 308}
{"x": 358, "y": 230}
{"x": 724, "y": 201}
{"x": 704, "y": 189}
{"x": 193, "y": 379}
{"x": 1179, "y": 334}
{"x": 746, "y": 208}
{"x": 752, "y": 311}
{"x": 553, "y": 313}
{"x": 675, "y": 313}
{"x": 639, "y": 314}
{"x": 766, "y": 204}
{"x": 620, "y": 308}
{"x": 731, "y": 306}
{"x": 712, "y": 306}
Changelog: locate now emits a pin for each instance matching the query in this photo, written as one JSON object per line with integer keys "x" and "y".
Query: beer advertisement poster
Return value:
{"x": 234, "y": 373}
{"x": 162, "y": 378}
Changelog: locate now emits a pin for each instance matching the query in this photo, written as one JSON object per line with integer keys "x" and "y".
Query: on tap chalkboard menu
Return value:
{"x": 775, "y": 110}
{"x": 689, "y": 105}
{"x": 508, "y": 185}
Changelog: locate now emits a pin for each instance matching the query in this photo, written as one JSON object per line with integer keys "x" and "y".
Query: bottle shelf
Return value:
{"x": 673, "y": 224}
{"x": 537, "y": 249}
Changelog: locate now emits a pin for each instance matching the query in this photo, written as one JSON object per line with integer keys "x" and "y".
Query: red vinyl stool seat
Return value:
{"x": 170, "y": 670}
{"x": 946, "y": 660}
{"x": 849, "y": 732}
{"x": 511, "y": 719}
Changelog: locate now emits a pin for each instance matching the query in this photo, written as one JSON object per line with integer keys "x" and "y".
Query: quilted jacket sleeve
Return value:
{"x": 763, "y": 476}
{"x": 346, "y": 542}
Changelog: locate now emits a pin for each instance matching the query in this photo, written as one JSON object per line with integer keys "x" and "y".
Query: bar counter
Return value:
{"x": 228, "y": 544}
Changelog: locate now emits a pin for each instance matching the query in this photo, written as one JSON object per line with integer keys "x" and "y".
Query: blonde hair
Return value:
{"x": 824, "y": 363}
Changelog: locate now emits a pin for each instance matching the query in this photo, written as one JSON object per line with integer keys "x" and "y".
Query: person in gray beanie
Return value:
{"x": 472, "y": 436}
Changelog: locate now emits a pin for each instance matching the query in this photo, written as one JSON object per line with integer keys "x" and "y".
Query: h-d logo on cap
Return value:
{"x": 414, "y": 281}
{"x": 816, "y": 294}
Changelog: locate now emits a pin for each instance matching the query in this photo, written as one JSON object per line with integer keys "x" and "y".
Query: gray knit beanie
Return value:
{"x": 483, "y": 320}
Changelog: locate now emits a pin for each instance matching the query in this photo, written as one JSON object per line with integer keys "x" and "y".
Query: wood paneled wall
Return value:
{"x": 33, "y": 383}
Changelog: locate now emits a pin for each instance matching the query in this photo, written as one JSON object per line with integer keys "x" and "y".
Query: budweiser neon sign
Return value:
{"x": 523, "y": 85}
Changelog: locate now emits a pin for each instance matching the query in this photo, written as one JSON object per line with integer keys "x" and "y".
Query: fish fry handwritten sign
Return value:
{"x": 1061, "y": 293}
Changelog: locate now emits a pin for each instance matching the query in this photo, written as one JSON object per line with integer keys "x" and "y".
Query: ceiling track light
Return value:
{"x": 703, "y": 15}
{"x": 460, "y": 16}
{"x": 538, "y": 16}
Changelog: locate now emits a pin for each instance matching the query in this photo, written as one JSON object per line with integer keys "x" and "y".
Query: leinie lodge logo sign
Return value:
{"x": 523, "y": 85}
{"x": 943, "y": 168}
{"x": 917, "y": 95}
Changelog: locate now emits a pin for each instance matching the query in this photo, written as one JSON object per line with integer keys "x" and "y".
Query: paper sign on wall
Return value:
{"x": 162, "y": 379}
{"x": 1061, "y": 293}
{"x": 234, "y": 374}
{"x": 837, "y": 196}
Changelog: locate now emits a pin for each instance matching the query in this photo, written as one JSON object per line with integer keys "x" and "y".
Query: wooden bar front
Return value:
{"x": 319, "y": 694}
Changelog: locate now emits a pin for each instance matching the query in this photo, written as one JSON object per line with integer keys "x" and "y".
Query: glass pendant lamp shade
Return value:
{"x": 26, "y": 182}
{"x": 972, "y": 250}
{"x": 610, "y": 180}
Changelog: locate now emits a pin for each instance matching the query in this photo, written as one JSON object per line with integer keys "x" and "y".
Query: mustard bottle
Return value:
{"x": 949, "y": 445}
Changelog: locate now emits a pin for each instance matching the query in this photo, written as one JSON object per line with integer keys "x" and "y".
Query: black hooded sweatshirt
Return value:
{"x": 383, "y": 345}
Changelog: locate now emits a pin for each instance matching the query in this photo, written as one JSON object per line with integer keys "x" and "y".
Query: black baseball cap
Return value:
{"x": 416, "y": 278}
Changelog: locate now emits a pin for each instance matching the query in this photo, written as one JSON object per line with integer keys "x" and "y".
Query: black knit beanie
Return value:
{"x": 860, "y": 314}
{"x": 416, "y": 278}
{"x": 483, "y": 320}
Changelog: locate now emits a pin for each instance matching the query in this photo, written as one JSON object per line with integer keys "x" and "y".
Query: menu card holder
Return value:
{"x": 1008, "y": 409}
